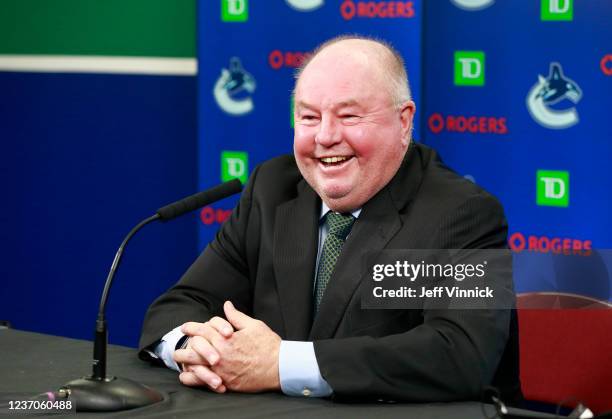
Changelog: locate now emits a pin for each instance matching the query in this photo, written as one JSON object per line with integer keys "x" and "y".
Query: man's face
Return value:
{"x": 349, "y": 137}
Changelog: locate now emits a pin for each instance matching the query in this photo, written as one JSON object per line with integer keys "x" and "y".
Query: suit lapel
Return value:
{"x": 378, "y": 222}
{"x": 371, "y": 232}
{"x": 295, "y": 251}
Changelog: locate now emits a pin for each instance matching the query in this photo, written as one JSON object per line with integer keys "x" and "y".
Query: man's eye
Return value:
{"x": 308, "y": 117}
{"x": 349, "y": 116}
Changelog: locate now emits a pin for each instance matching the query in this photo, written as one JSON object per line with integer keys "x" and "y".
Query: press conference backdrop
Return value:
{"x": 518, "y": 98}
{"x": 514, "y": 94}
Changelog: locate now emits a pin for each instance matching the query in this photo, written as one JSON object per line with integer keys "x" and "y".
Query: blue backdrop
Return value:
{"x": 85, "y": 157}
{"x": 514, "y": 95}
{"x": 566, "y": 130}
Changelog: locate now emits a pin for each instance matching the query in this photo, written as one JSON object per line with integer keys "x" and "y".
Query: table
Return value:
{"x": 33, "y": 363}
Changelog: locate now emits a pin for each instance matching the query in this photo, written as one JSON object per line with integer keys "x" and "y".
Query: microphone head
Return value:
{"x": 199, "y": 200}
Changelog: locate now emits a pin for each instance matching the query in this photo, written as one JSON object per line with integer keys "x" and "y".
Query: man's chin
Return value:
{"x": 335, "y": 193}
{"x": 341, "y": 202}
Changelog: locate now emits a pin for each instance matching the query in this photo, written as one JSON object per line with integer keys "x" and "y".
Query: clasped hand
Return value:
{"x": 237, "y": 354}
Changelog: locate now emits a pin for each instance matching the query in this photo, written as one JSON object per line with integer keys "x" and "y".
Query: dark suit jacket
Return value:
{"x": 263, "y": 260}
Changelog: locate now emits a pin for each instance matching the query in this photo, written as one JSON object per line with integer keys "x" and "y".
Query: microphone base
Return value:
{"x": 110, "y": 394}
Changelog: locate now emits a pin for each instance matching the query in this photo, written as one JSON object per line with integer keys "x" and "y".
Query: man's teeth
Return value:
{"x": 333, "y": 159}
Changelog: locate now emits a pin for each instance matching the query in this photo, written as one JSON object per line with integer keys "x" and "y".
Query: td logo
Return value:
{"x": 234, "y": 10}
{"x": 557, "y": 10}
{"x": 552, "y": 188}
{"x": 469, "y": 68}
{"x": 234, "y": 165}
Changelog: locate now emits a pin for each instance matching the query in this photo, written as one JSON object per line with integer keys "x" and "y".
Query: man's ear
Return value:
{"x": 407, "y": 110}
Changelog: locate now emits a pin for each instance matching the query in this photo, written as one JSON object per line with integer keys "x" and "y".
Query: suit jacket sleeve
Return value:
{"x": 219, "y": 274}
{"x": 452, "y": 355}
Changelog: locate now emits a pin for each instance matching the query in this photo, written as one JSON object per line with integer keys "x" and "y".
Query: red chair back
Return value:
{"x": 566, "y": 354}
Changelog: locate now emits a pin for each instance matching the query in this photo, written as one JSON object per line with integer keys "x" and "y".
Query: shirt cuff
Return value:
{"x": 166, "y": 347}
{"x": 299, "y": 372}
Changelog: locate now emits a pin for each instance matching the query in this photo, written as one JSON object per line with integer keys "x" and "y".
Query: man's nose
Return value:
{"x": 329, "y": 132}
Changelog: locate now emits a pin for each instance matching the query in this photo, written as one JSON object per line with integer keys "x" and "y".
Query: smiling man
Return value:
{"x": 353, "y": 117}
{"x": 273, "y": 303}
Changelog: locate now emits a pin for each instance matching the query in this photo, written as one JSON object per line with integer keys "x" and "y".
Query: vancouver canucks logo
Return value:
{"x": 232, "y": 90}
{"x": 472, "y": 5}
{"x": 549, "y": 91}
{"x": 305, "y": 5}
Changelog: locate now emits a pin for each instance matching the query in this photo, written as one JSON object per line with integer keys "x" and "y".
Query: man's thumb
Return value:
{"x": 237, "y": 318}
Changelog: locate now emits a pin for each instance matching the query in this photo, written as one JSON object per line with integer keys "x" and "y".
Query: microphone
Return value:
{"x": 98, "y": 392}
{"x": 199, "y": 200}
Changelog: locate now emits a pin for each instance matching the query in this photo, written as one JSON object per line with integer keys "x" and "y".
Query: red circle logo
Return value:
{"x": 275, "y": 59}
{"x": 348, "y": 9}
{"x": 436, "y": 123}
{"x": 517, "y": 242}
{"x": 207, "y": 215}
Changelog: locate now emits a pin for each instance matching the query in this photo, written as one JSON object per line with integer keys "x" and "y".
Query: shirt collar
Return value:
{"x": 325, "y": 209}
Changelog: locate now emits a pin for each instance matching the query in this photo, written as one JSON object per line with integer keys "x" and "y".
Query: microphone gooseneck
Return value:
{"x": 98, "y": 392}
{"x": 101, "y": 335}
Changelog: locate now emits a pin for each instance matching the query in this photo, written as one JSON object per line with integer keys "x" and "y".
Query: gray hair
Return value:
{"x": 395, "y": 72}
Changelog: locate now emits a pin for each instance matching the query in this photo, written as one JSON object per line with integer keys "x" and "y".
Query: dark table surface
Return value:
{"x": 32, "y": 363}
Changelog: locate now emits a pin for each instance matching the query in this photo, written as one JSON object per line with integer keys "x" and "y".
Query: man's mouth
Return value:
{"x": 334, "y": 160}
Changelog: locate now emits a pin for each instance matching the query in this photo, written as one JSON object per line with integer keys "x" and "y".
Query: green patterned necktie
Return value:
{"x": 339, "y": 226}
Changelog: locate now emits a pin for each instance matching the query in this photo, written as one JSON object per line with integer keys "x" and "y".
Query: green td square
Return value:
{"x": 557, "y": 10}
{"x": 469, "y": 68}
{"x": 552, "y": 188}
{"x": 234, "y": 10}
{"x": 234, "y": 165}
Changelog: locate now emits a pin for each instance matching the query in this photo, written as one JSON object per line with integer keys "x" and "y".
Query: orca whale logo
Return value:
{"x": 472, "y": 5}
{"x": 305, "y": 5}
{"x": 551, "y": 90}
{"x": 230, "y": 89}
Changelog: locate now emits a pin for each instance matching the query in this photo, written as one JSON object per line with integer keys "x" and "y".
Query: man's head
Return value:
{"x": 353, "y": 120}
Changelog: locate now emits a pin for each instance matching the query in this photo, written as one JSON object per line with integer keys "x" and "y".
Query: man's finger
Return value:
{"x": 215, "y": 327}
{"x": 205, "y": 375}
{"x": 222, "y": 326}
{"x": 193, "y": 328}
{"x": 190, "y": 378}
{"x": 187, "y": 356}
{"x": 237, "y": 318}
{"x": 205, "y": 349}
{"x": 193, "y": 378}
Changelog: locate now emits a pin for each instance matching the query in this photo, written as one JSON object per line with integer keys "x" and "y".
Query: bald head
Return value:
{"x": 385, "y": 62}
{"x": 352, "y": 123}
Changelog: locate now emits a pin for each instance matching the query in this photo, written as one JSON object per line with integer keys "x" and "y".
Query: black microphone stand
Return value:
{"x": 98, "y": 392}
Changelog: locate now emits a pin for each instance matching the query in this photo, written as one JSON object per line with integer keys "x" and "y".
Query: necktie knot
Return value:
{"x": 339, "y": 224}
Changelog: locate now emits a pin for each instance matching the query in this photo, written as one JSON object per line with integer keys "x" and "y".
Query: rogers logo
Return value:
{"x": 473, "y": 124}
{"x": 518, "y": 242}
{"x": 293, "y": 59}
{"x": 606, "y": 64}
{"x": 376, "y": 9}
{"x": 210, "y": 215}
